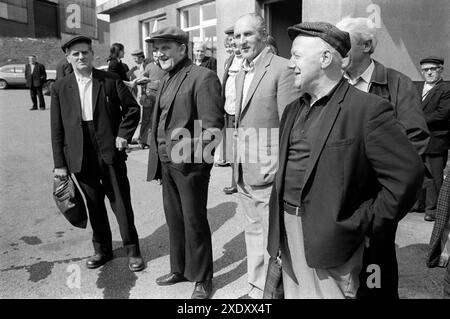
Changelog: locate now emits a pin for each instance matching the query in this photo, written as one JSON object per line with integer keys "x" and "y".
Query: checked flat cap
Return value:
{"x": 77, "y": 39}
{"x": 170, "y": 34}
{"x": 338, "y": 39}
{"x": 432, "y": 59}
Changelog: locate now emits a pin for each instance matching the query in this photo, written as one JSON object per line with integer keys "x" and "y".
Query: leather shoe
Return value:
{"x": 136, "y": 263}
{"x": 170, "y": 279}
{"x": 429, "y": 217}
{"x": 230, "y": 190}
{"x": 202, "y": 290}
{"x": 97, "y": 260}
{"x": 33, "y": 108}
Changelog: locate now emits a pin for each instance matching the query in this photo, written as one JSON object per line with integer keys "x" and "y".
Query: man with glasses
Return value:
{"x": 436, "y": 108}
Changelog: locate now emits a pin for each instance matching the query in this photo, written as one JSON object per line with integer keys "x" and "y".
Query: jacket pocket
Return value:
{"x": 338, "y": 143}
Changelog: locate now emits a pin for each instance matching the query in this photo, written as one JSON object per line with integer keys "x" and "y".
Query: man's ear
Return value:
{"x": 367, "y": 46}
{"x": 326, "y": 58}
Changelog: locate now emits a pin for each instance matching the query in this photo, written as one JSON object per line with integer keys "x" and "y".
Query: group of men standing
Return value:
{"x": 333, "y": 164}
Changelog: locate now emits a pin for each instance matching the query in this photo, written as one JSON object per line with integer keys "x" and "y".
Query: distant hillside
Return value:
{"x": 48, "y": 51}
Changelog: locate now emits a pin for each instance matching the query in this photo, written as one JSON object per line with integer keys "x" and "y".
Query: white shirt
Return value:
{"x": 248, "y": 76}
{"x": 230, "y": 86}
{"x": 426, "y": 88}
{"x": 362, "y": 82}
{"x": 31, "y": 67}
{"x": 85, "y": 90}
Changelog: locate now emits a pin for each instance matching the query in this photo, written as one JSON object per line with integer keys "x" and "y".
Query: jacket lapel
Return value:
{"x": 183, "y": 73}
{"x": 429, "y": 94}
{"x": 97, "y": 83}
{"x": 74, "y": 94}
{"x": 260, "y": 70}
{"x": 329, "y": 117}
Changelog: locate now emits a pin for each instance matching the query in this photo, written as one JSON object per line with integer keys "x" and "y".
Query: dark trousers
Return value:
{"x": 146, "y": 124}
{"x": 381, "y": 252}
{"x": 98, "y": 179}
{"x": 185, "y": 195}
{"x": 37, "y": 91}
{"x": 436, "y": 163}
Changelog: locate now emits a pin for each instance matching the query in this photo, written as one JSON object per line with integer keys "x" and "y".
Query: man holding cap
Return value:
{"x": 346, "y": 170}
{"x": 93, "y": 117}
{"x": 436, "y": 108}
{"x": 188, "y": 108}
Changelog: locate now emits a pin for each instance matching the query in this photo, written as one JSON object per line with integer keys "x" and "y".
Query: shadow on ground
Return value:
{"x": 416, "y": 280}
{"x": 156, "y": 245}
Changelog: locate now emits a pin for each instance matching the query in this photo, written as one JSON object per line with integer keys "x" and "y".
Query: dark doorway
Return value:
{"x": 46, "y": 19}
{"x": 280, "y": 15}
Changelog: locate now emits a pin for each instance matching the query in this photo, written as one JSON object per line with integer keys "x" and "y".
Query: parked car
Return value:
{"x": 14, "y": 75}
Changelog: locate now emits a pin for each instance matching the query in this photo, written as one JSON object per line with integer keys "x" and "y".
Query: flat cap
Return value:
{"x": 75, "y": 39}
{"x": 137, "y": 52}
{"x": 432, "y": 59}
{"x": 229, "y": 30}
{"x": 338, "y": 39}
{"x": 169, "y": 34}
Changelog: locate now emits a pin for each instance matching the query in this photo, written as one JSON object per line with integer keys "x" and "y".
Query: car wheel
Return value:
{"x": 47, "y": 89}
{"x": 3, "y": 84}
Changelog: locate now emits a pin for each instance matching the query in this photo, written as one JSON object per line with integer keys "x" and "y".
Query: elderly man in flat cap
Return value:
{"x": 264, "y": 86}
{"x": 188, "y": 110}
{"x": 436, "y": 108}
{"x": 369, "y": 75}
{"x": 93, "y": 117}
{"x": 346, "y": 170}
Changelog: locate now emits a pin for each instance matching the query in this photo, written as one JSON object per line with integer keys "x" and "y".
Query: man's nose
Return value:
{"x": 291, "y": 64}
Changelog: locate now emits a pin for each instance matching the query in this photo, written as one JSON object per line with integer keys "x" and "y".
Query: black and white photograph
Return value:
{"x": 248, "y": 151}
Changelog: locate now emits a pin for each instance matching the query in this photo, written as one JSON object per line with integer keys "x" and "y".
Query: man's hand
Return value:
{"x": 143, "y": 80}
{"x": 60, "y": 173}
{"x": 121, "y": 143}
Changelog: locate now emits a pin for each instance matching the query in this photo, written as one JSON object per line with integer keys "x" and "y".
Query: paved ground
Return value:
{"x": 42, "y": 256}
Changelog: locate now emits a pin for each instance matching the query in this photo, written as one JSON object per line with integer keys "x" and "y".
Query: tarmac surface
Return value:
{"x": 43, "y": 256}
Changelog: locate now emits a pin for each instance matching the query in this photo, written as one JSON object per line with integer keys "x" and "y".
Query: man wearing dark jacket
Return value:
{"x": 436, "y": 107}
{"x": 346, "y": 170}
{"x": 188, "y": 113}
{"x": 36, "y": 77}
{"x": 370, "y": 76}
{"x": 203, "y": 60}
{"x": 93, "y": 117}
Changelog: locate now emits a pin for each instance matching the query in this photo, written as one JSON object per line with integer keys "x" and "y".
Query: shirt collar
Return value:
{"x": 249, "y": 66}
{"x": 324, "y": 99}
{"x": 81, "y": 78}
{"x": 366, "y": 76}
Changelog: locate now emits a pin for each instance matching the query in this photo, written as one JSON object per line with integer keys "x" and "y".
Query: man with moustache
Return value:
{"x": 93, "y": 117}
{"x": 346, "y": 169}
{"x": 264, "y": 86}
{"x": 188, "y": 113}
